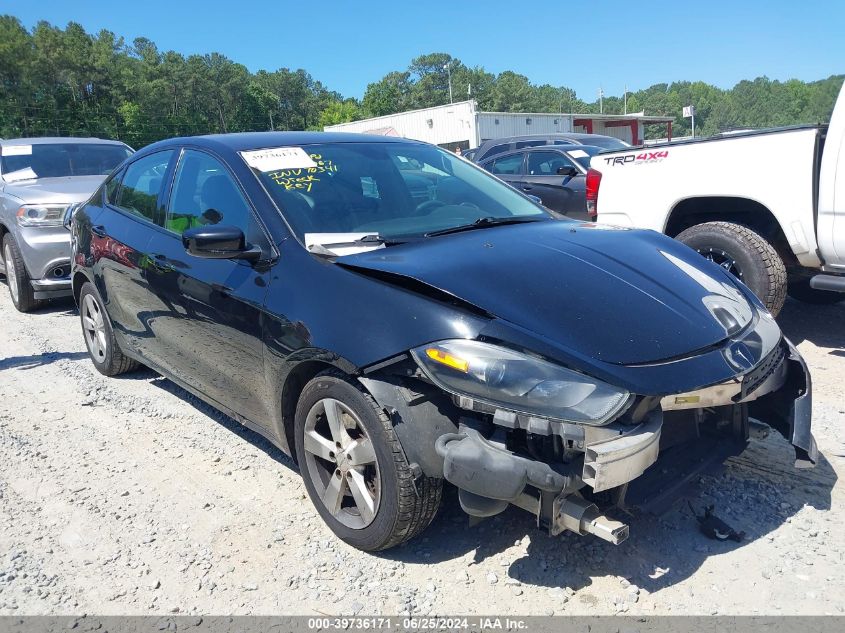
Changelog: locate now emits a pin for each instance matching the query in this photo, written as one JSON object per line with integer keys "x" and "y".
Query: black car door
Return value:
{"x": 210, "y": 337}
{"x": 561, "y": 192}
{"x": 119, "y": 237}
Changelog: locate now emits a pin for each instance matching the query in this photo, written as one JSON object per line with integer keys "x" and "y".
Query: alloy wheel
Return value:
{"x": 11, "y": 276}
{"x": 94, "y": 328}
{"x": 341, "y": 462}
{"x": 723, "y": 259}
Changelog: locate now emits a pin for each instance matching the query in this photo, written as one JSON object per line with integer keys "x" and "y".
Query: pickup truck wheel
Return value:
{"x": 745, "y": 254}
{"x": 17, "y": 277}
{"x": 802, "y": 291}
{"x": 99, "y": 335}
{"x": 354, "y": 468}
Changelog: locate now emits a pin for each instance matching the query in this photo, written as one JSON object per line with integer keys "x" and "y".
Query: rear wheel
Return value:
{"x": 99, "y": 335}
{"x": 802, "y": 291}
{"x": 354, "y": 469}
{"x": 17, "y": 277}
{"x": 745, "y": 254}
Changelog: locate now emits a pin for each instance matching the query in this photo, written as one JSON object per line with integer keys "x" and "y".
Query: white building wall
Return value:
{"x": 501, "y": 124}
{"x": 441, "y": 125}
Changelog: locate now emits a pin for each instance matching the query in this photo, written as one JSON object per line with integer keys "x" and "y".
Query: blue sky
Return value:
{"x": 582, "y": 45}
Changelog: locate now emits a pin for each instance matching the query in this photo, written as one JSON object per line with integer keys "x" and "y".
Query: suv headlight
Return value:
{"x": 510, "y": 380}
{"x": 41, "y": 214}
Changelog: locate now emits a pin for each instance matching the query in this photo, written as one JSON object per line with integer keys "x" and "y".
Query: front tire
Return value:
{"x": 354, "y": 468}
{"x": 745, "y": 254}
{"x": 99, "y": 335}
{"x": 17, "y": 277}
{"x": 802, "y": 291}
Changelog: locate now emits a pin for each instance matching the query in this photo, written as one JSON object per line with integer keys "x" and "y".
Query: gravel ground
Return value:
{"x": 129, "y": 496}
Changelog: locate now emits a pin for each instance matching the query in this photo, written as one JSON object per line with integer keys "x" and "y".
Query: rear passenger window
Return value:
{"x": 142, "y": 184}
{"x": 204, "y": 193}
{"x": 509, "y": 165}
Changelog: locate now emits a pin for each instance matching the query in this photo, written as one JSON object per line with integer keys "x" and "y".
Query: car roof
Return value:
{"x": 52, "y": 140}
{"x": 540, "y": 148}
{"x": 242, "y": 141}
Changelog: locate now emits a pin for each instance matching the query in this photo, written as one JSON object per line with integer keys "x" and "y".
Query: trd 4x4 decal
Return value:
{"x": 638, "y": 159}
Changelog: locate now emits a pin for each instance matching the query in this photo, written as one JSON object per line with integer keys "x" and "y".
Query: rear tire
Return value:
{"x": 396, "y": 509}
{"x": 745, "y": 254}
{"x": 99, "y": 335}
{"x": 802, "y": 291}
{"x": 17, "y": 277}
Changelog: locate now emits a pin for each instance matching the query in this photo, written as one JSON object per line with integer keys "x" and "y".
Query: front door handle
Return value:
{"x": 99, "y": 230}
{"x": 161, "y": 263}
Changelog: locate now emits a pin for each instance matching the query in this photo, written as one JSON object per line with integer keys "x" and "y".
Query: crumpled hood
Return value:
{"x": 619, "y": 296}
{"x": 65, "y": 190}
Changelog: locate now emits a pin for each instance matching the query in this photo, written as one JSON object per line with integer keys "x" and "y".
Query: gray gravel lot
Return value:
{"x": 128, "y": 495}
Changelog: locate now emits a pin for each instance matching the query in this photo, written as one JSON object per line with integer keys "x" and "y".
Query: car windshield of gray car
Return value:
{"x": 389, "y": 190}
{"x": 56, "y": 160}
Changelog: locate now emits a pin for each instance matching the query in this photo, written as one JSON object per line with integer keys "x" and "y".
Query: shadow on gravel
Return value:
{"x": 59, "y": 307}
{"x": 755, "y": 492}
{"x": 37, "y": 360}
{"x": 821, "y": 325}
{"x": 230, "y": 424}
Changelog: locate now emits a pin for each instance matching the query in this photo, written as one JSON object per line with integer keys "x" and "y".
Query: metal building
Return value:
{"x": 462, "y": 125}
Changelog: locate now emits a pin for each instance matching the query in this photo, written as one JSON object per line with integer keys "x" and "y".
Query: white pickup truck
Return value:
{"x": 769, "y": 206}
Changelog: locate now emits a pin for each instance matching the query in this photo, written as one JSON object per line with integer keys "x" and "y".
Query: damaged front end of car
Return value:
{"x": 508, "y": 427}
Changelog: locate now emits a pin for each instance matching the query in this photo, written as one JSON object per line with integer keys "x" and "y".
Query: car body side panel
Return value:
{"x": 831, "y": 220}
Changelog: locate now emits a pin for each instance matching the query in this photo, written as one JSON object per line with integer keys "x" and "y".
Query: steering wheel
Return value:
{"x": 428, "y": 206}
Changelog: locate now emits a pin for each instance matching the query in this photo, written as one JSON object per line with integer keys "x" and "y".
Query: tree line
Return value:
{"x": 67, "y": 82}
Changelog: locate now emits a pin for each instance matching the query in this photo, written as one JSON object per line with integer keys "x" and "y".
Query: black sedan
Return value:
{"x": 557, "y": 174}
{"x": 393, "y": 317}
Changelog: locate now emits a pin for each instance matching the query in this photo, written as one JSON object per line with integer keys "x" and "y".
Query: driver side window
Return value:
{"x": 205, "y": 193}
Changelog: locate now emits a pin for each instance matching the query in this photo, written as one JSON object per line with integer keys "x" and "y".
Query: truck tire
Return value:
{"x": 17, "y": 277}
{"x": 745, "y": 254}
{"x": 354, "y": 468}
{"x": 802, "y": 291}
{"x": 97, "y": 331}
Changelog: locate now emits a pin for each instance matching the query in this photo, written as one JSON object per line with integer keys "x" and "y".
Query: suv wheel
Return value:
{"x": 745, "y": 254}
{"x": 354, "y": 468}
{"x": 99, "y": 335}
{"x": 17, "y": 277}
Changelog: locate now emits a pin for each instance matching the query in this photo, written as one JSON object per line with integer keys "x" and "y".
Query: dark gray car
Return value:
{"x": 39, "y": 179}
{"x": 496, "y": 146}
{"x": 554, "y": 173}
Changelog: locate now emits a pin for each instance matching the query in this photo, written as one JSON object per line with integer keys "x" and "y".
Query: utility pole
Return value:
{"x": 626, "y": 99}
{"x": 601, "y": 100}
{"x": 448, "y": 68}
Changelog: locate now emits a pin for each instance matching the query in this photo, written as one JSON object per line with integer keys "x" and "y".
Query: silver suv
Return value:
{"x": 39, "y": 179}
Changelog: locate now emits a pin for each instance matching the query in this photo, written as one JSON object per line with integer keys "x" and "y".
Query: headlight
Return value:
{"x": 509, "y": 380}
{"x": 41, "y": 215}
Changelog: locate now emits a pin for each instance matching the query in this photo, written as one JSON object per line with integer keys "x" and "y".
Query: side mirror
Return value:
{"x": 536, "y": 199}
{"x": 568, "y": 171}
{"x": 217, "y": 241}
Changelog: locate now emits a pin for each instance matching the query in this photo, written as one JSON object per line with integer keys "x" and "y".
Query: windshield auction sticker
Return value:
{"x": 278, "y": 158}
{"x": 17, "y": 150}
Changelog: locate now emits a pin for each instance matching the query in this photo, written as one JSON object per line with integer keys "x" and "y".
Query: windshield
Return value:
{"x": 51, "y": 160}
{"x": 394, "y": 190}
{"x": 607, "y": 142}
{"x": 583, "y": 153}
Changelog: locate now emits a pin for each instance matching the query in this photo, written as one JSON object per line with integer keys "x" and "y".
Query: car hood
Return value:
{"x": 65, "y": 190}
{"x": 619, "y": 296}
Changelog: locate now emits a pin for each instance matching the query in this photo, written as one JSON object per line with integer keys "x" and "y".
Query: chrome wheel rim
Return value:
{"x": 721, "y": 258}
{"x": 341, "y": 462}
{"x": 11, "y": 276}
{"x": 94, "y": 328}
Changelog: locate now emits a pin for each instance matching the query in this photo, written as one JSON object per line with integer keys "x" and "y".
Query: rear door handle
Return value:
{"x": 99, "y": 230}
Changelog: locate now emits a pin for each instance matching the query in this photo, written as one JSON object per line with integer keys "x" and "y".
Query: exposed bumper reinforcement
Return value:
{"x": 618, "y": 460}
